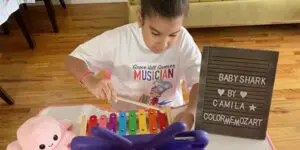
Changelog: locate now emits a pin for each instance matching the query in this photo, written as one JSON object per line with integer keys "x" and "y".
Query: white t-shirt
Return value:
{"x": 139, "y": 74}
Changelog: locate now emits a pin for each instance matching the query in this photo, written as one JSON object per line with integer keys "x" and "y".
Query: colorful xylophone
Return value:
{"x": 141, "y": 121}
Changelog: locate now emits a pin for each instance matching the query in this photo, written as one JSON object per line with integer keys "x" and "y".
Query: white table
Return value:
{"x": 11, "y": 7}
{"x": 7, "y": 7}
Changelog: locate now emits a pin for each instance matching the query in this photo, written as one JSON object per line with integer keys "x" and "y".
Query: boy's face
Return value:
{"x": 160, "y": 33}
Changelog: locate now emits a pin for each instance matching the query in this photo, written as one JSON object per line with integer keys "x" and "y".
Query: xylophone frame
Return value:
{"x": 88, "y": 122}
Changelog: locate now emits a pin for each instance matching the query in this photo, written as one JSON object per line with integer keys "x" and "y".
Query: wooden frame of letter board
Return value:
{"x": 248, "y": 56}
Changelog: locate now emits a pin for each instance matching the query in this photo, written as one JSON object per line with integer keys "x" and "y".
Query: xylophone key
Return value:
{"x": 92, "y": 122}
{"x": 152, "y": 121}
{"x": 162, "y": 121}
{"x": 103, "y": 121}
{"x": 122, "y": 123}
{"x": 112, "y": 124}
{"x": 142, "y": 121}
{"x": 83, "y": 125}
{"x": 132, "y": 122}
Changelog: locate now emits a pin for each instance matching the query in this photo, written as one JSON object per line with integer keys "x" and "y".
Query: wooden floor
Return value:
{"x": 38, "y": 78}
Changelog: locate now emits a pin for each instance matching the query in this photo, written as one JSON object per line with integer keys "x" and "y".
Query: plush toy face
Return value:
{"x": 40, "y": 133}
{"x": 47, "y": 137}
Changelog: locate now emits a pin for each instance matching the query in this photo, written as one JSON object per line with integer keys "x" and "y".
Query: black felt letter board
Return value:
{"x": 235, "y": 91}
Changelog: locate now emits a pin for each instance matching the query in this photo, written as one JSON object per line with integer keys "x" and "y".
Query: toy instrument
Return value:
{"x": 141, "y": 121}
{"x": 100, "y": 128}
{"x": 171, "y": 138}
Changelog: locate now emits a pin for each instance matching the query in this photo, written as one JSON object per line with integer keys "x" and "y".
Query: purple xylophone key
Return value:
{"x": 112, "y": 123}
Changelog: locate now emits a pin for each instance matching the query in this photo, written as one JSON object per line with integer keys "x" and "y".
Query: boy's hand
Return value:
{"x": 101, "y": 88}
{"x": 186, "y": 116}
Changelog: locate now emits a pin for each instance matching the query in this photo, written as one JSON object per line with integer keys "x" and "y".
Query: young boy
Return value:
{"x": 147, "y": 60}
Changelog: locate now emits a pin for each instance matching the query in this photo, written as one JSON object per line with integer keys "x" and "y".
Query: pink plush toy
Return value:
{"x": 43, "y": 133}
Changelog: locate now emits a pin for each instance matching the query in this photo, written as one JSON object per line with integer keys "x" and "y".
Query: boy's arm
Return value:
{"x": 188, "y": 115}
{"x": 91, "y": 57}
{"x": 94, "y": 55}
{"x": 191, "y": 62}
{"x": 193, "y": 101}
{"x": 76, "y": 66}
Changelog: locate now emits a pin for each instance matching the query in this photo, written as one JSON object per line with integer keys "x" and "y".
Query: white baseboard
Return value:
{"x": 56, "y": 2}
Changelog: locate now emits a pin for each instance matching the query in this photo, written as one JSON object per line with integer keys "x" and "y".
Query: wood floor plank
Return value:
{"x": 38, "y": 78}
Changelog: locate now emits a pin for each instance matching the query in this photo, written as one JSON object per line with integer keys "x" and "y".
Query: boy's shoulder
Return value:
{"x": 186, "y": 36}
{"x": 127, "y": 28}
{"x": 186, "y": 41}
{"x": 123, "y": 33}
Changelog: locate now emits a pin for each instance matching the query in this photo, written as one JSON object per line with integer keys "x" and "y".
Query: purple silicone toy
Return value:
{"x": 172, "y": 138}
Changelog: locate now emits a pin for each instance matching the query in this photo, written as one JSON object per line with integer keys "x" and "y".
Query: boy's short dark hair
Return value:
{"x": 164, "y": 8}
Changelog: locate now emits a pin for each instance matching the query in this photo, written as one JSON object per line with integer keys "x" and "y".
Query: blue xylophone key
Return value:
{"x": 122, "y": 123}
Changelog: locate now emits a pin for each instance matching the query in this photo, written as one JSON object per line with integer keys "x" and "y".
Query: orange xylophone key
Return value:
{"x": 92, "y": 122}
{"x": 152, "y": 121}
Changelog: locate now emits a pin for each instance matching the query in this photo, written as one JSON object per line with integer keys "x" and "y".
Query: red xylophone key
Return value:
{"x": 92, "y": 122}
{"x": 162, "y": 120}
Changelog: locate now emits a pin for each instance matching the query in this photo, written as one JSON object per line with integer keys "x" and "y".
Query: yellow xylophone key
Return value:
{"x": 142, "y": 121}
{"x": 83, "y": 125}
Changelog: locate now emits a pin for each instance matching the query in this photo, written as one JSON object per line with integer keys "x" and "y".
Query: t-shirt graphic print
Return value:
{"x": 159, "y": 80}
